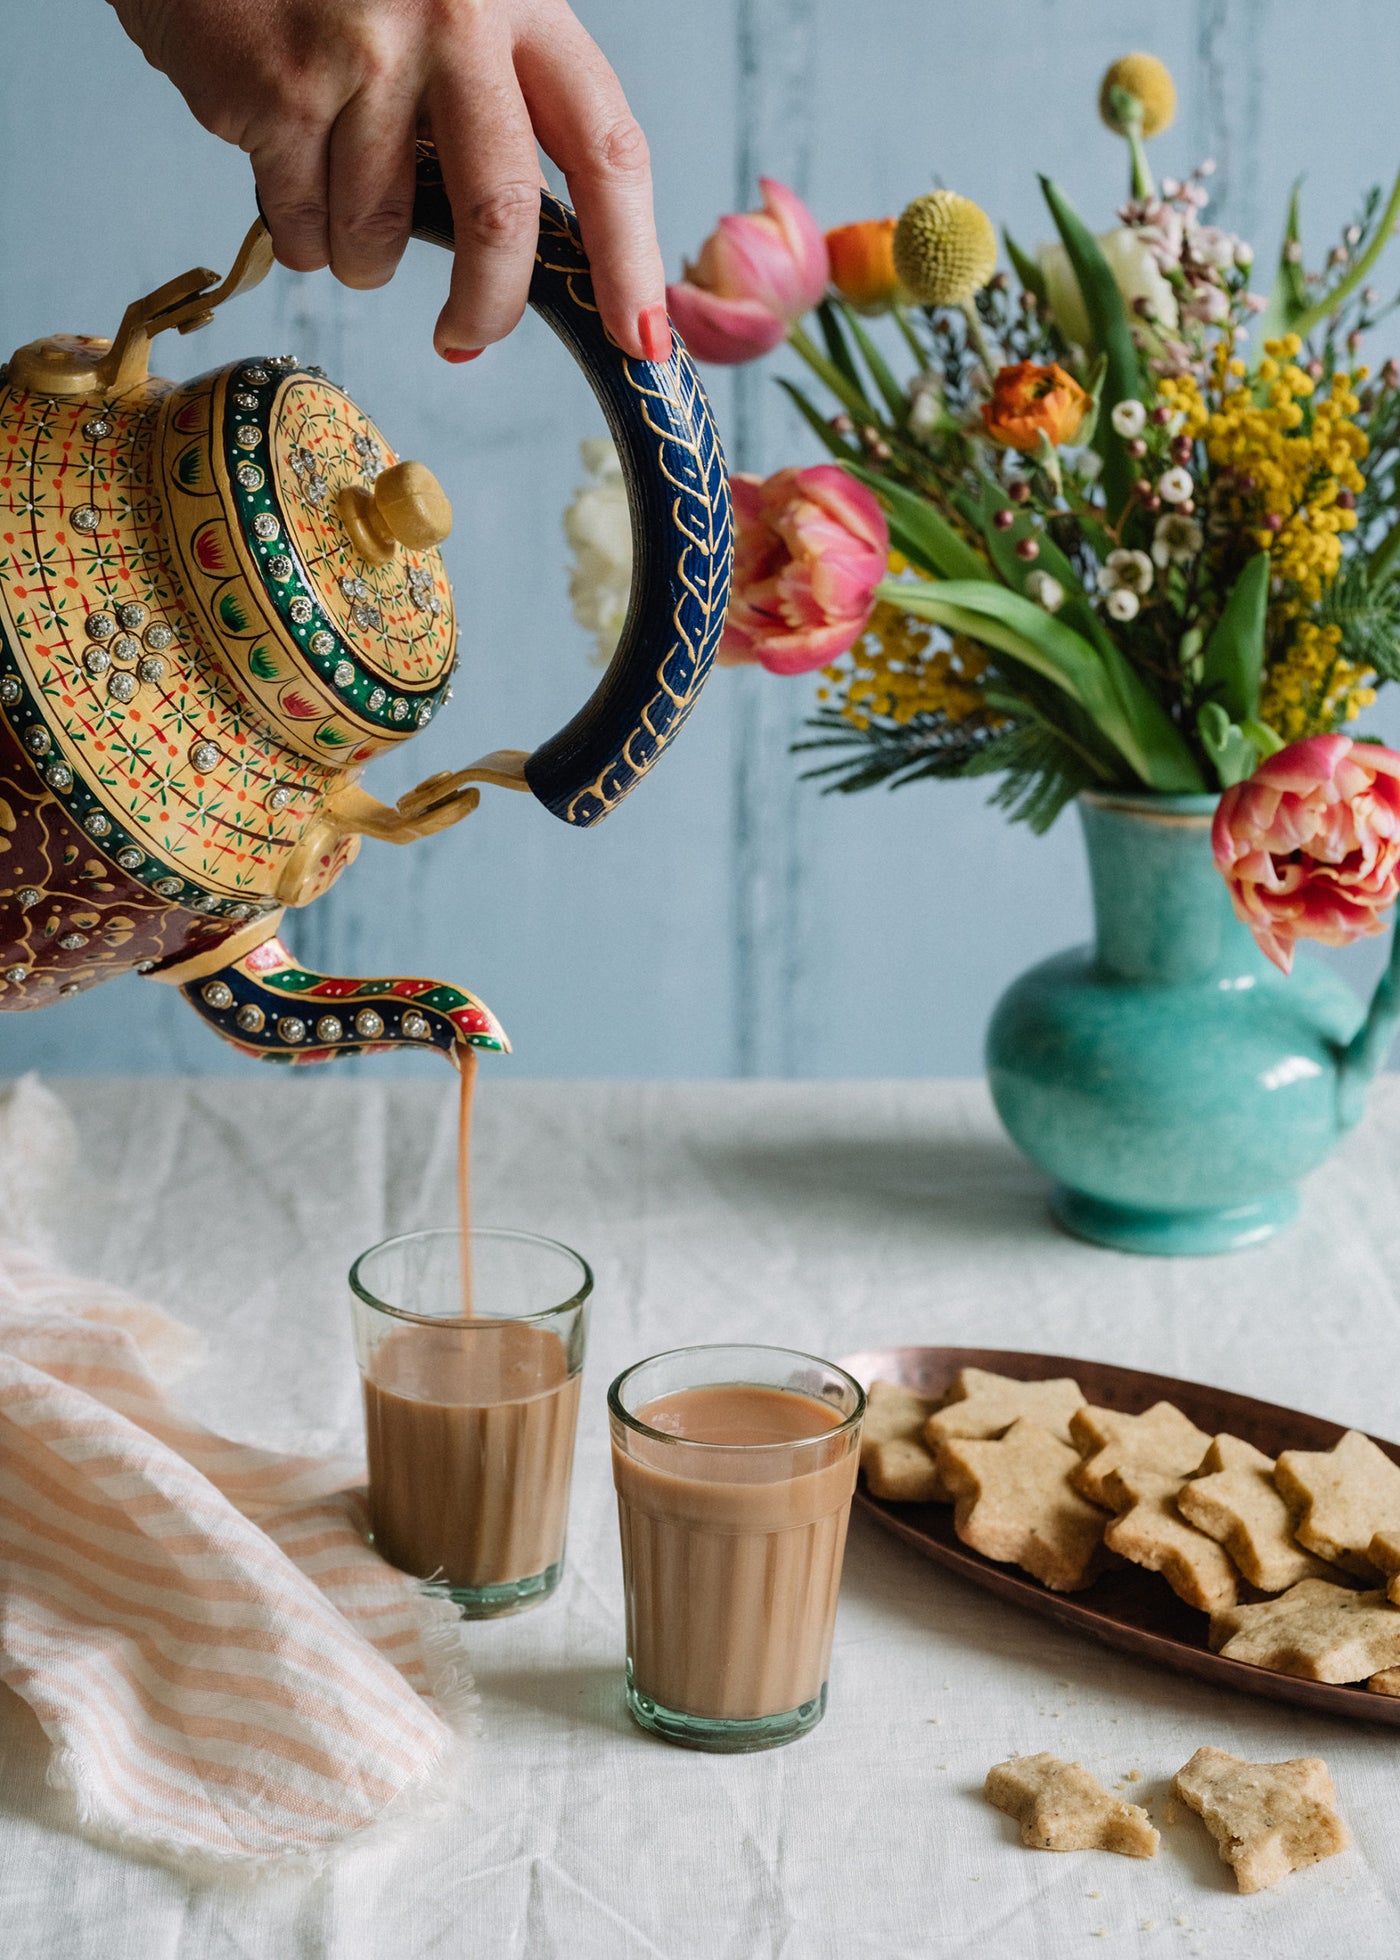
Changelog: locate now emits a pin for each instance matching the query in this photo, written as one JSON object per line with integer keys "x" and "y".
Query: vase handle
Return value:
{"x": 1363, "y": 1057}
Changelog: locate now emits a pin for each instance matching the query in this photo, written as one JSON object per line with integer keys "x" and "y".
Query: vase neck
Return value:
{"x": 1162, "y": 913}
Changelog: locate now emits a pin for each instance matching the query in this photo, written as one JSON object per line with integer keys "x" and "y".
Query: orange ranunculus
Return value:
{"x": 1029, "y": 401}
{"x": 862, "y": 263}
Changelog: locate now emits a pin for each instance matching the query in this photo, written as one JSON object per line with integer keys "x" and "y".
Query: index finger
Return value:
{"x": 583, "y": 123}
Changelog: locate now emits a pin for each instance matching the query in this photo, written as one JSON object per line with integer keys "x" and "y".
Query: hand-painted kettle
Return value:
{"x": 220, "y": 600}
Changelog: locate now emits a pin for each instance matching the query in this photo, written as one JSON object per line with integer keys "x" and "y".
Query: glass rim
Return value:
{"x": 641, "y": 1428}
{"x": 577, "y": 1298}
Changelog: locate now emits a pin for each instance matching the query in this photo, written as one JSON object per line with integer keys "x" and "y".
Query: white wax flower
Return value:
{"x": 1045, "y": 590}
{"x": 1129, "y": 418}
{"x": 1122, "y": 605}
{"x": 1127, "y": 571}
{"x": 1176, "y": 539}
{"x": 1175, "y": 486}
{"x": 598, "y": 526}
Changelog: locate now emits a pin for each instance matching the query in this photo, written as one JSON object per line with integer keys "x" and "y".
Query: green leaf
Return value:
{"x": 836, "y": 347}
{"x": 1228, "y": 746}
{"x": 1313, "y": 314}
{"x": 850, "y": 396}
{"x": 843, "y": 451}
{"x": 1040, "y": 774}
{"x": 1130, "y": 718}
{"x": 1288, "y": 298}
{"x": 1108, "y": 320}
{"x": 1263, "y": 738}
{"x": 1234, "y": 656}
{"x": 916, "y": 529}
{"x": 895, "y": 398}
{"x": 1027, "y": 270}
{"x": 1001, "y": 545}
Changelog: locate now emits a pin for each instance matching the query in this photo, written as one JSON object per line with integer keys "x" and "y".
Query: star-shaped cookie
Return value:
{"x": 1015, "y": 1503}
{"x": 1234, "y": 1501}
{"x": 1340, "y": 1498}
{"x": 1318, "y": 1631}
{"x": 983, "y": 1404}
{"x": 897, "y": 1466}
{"x": 1162, "y": 1439}
{"x": 1150, "y": 1531}
{"x": 1061, "y": 1807}
{"x": 1268, "y": 1819}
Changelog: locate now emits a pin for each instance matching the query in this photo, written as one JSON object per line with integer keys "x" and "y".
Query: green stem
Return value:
{"x": 1385, "y": 554}
{"x": 1305, "y": 321}
{"x": 1141, "y": 180}
{"x": 979, "y": 340}
{"x": 827, "y": 371}
{"x": 911, "y": 339}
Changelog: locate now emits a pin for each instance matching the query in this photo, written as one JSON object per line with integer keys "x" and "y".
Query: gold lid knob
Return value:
{"x": 407, "y": 506}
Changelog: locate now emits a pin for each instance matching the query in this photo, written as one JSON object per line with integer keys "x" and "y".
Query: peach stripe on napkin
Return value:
{"x": 224, "y": 1668}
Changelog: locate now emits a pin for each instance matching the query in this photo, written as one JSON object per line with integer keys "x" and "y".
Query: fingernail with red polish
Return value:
{"x": 654, "y": 332}
{"x": 461, "y": 353}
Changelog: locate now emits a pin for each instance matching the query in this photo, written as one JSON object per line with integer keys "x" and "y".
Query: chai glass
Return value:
{"x": 470, "y": 1415}
{"x": 734, "y": 1469}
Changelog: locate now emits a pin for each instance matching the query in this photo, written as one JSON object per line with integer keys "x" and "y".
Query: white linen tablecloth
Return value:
{"x": 825, "y": 1216}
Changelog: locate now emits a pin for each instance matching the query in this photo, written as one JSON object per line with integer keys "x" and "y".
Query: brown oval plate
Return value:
{"x": 1126, "y": 1607}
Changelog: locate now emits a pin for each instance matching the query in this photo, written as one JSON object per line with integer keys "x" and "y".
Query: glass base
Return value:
{"x": 515, "y": 1596}
{"x": 719, "y": 1737}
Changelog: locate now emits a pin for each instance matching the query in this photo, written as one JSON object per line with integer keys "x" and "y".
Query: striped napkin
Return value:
{"x": 226, "y": 1672}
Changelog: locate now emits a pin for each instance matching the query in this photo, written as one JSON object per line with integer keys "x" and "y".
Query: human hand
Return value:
{"x": 328, "y": 96}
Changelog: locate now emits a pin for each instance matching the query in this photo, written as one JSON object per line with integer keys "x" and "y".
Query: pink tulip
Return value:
{"x": 758, "y": 272}
{"x": 811, "y": 548}
{"x": 1310, "y": 845}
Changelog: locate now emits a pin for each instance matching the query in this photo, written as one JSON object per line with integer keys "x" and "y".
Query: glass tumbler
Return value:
{"x": 471, "y": 1393}
{"x": 734, "y": 1469}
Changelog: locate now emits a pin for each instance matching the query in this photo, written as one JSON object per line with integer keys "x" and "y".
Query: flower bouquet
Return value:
{"x": 1109, "y": 524}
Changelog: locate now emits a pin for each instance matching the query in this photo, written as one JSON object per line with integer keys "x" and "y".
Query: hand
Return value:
{"x": 328, "y": 96}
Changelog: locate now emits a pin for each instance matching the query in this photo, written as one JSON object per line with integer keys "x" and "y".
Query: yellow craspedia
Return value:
{"x": 1146, "y": 79}
{"x": 945, "y": 249}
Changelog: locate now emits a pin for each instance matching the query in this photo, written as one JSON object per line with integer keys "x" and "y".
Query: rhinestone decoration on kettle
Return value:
{"x": 219, "y": 600}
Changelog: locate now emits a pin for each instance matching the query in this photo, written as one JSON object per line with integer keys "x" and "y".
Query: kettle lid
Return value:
{"x": 310, "y": 550}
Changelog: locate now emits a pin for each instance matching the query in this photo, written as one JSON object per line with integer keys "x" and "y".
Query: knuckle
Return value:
{"x": 507, "y": 215}
{"x": 622, "y": 148}
{"x": 378, "y": 229}
{"x": 295, "y": 217}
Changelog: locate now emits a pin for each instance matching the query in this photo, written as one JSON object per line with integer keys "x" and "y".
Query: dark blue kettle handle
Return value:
{"x": 682, "y": 526}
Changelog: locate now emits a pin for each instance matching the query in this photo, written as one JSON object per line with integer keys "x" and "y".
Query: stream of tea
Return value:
{"x": 466, "y": 1069}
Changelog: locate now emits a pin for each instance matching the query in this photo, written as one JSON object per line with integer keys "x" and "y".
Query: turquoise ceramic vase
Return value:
{"x": 1171, "y": 1080}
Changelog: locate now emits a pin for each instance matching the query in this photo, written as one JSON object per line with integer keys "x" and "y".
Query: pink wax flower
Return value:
{"x": 811, "y": 548}
{"x": 758, "y": 272}
{"x": 1310, "y": 845}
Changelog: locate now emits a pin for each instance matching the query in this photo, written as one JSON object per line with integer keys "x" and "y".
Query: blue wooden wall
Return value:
{"x": 727, "y": 920}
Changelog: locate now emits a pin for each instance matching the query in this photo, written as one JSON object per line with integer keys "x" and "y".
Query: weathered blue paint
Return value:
{"x": 792, "y": 933}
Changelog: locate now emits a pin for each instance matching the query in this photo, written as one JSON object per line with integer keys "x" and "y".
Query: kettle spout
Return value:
{"x": 269, "y": 1006}
{"x": 1362, "y": 1058}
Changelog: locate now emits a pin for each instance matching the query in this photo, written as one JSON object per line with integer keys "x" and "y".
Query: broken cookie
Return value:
{"x": 1315, "y": 1630}
{"x": 1340, "y": 1498}
{"x": 1150, "y": 1531}
{"x": 1162, "y": 1439}
{"x": 983, "y": 1404}
{"x": 1233, "y": 1499}
{"x": 1268, "y": 1819}
{"x": 1384, "y": 1553}
{"x": 1015, "y": 1503}
{"x": 1061, "y": 1807}
{"x": 896, "y": 1464}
